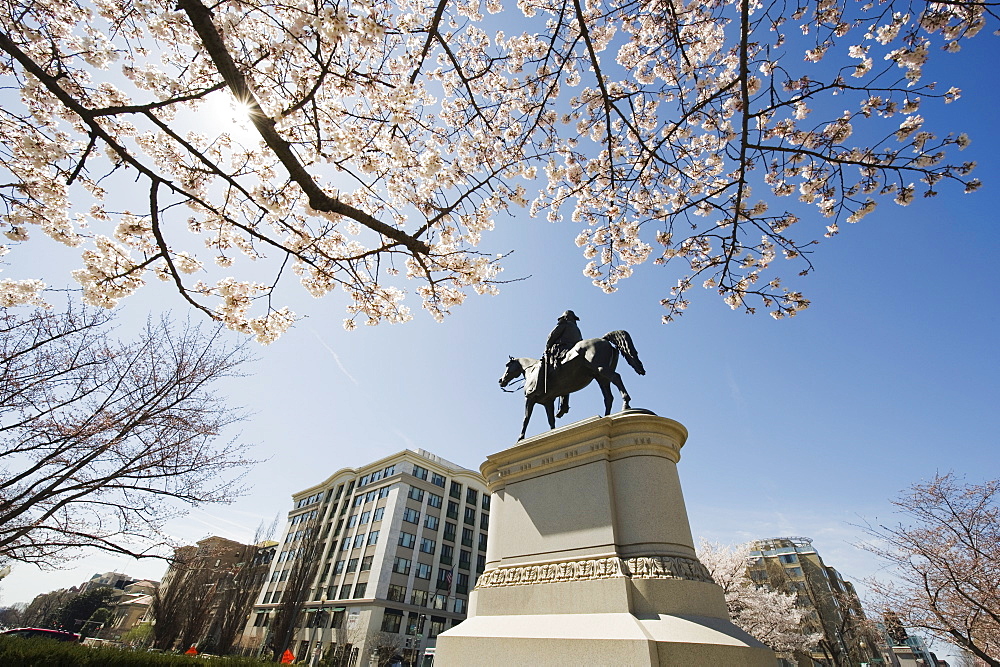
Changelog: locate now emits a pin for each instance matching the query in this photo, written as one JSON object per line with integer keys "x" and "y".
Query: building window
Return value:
{"x": 788, "y": 558}
{"x": 471, "y": 496}
{"x": 352, "y": 565}
{"x": 359, "y": 590}
{"x": 482, "y": 541}
{"x": 359, "y": 541}
{"x": 365, "y": 517}
{"x": 423, "y": 571}
{"x": 418, "y": 598}
{"x": 462, "y": 585}
{"x": 362, "y": 481}
{"x": 407, "y": 540}
{"x": 379, "y": 513}
{"x": 447, "y": 553}
{"x": 411, "y": 515}
{"x": 372, "y": 537}
{"x": 480, "y": 563}
{"x": 486, "y": 502}
{"x": 339, "y": 567}
{"x": 359, "y": 500}
{"x": 444, "y": 580}
{"x": 440, "y": 601}
{"x": 793, "y": 571}
{"x": 437, "y": 627}
{"x": 460, "y": 606}
{"x": 345, "y": 592}
{"x": 420, "y": 472}
{"x": 449, "y": 531}
{"x": 455, "y": 490}
{"x": 366, "y": 563}
{"x": 370, "y": 496}
{"x": 484, "y": 521}
{"x": 396, "y": 593}
{"x": 452, "y": 512}
{"x": 276, "y": 597}
{"x": 384, "y": 491}
{"x": 465, "y": 559}
{"x": 434, "y": 500}
{"x": 415, "y": 494}
{"x": 437, "y": 480}
{"x": 470, "y": 516}
{"x": 267, "y": 598}
{"x": 467, "y": 534}
{"x": 352, "y": 521}
{"x": 431, "y": 522}
{"x": 427, "y": 545}
{"x": 401, "y": 565}
{"x": 346, "y": 544}
{"x": 391, "y": 620}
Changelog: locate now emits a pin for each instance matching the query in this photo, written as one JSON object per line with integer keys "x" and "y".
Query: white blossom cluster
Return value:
{"x": 771, "y": 616}
{"x": 390, "y": 135}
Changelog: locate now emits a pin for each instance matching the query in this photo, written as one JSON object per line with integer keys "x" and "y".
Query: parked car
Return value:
{"x": 41, "y": 633}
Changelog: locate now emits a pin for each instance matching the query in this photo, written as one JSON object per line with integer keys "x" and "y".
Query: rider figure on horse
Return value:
{"x": 561, "y": 340}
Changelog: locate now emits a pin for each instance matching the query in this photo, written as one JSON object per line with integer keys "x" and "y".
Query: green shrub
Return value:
{"x": 49, "y": 653}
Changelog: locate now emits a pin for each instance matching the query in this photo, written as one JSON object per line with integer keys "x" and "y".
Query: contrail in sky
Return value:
{"x": 336, "y": 358}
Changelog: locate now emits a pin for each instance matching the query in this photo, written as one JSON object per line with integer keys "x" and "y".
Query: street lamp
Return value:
{"x": 420, "y": 637}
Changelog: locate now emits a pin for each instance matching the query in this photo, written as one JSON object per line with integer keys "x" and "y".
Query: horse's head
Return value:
{"x": 514, "y": 370}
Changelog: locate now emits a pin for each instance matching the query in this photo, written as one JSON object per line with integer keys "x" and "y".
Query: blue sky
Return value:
{"x": 801, "y": 427}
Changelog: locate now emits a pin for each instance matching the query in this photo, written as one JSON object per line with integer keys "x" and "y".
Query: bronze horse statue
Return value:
{"x": 591, "y": 359}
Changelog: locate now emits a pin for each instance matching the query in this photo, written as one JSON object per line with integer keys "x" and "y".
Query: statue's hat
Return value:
{"x": 570, "y": 315}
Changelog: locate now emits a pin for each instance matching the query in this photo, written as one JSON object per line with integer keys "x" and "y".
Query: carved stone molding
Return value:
{"x": 641, "y": 567}
{"x": 667, "y": 567}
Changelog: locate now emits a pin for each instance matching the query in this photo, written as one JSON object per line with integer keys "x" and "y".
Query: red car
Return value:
{"x": 41, "y": 633}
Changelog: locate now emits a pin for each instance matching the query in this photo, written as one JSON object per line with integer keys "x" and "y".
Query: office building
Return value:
{"x": 396, "y": 544}
{"x": 833, "y": 609}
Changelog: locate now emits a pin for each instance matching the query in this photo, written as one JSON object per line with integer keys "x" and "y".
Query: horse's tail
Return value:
{"x": 623, "y": 342}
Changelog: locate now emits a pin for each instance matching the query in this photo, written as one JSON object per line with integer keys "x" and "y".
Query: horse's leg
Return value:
{"x": 608, "y": 398}
{"x": 550, "y": 412}
{"x": 529, "y": 405}
{"x": 563, "y": 405}
{"x": 616, "y": 378}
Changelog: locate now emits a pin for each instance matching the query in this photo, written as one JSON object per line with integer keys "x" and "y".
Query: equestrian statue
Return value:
{"x": 569, "y": 364}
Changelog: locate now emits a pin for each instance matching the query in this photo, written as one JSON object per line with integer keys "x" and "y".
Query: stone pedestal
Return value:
{"x": 590, "y": 558}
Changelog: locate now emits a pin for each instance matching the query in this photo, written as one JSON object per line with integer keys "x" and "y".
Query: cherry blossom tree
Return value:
{"x": 945, "y": 558}
{"x": 102, "y": 441}
{"x": 769, "y": 615}
{"x": 390, "y": 136}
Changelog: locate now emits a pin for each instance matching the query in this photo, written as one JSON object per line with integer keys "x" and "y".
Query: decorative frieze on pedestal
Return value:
{"x": 590, "y": 558}
{"x": 643, "y": 567}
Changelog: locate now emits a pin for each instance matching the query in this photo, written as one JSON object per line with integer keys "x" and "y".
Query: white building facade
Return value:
{"x": 403, "y": 540}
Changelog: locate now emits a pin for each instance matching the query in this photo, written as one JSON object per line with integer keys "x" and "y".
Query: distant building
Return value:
{"x": 116, "y": 581}
{"x": 792, "y": 565}
{"x": 130, "y": 609}
{"x": 402, "y": 541}
{"x": 210, "y": 565}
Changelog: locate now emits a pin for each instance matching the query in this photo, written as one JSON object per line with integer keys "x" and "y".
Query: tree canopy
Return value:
{"x": 945, "y": 556}
{"x": 391, "y": 135}
{"x": 102, "y": 441}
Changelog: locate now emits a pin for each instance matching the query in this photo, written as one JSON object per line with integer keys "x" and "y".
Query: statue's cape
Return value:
{"x": 533, "y": 380}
